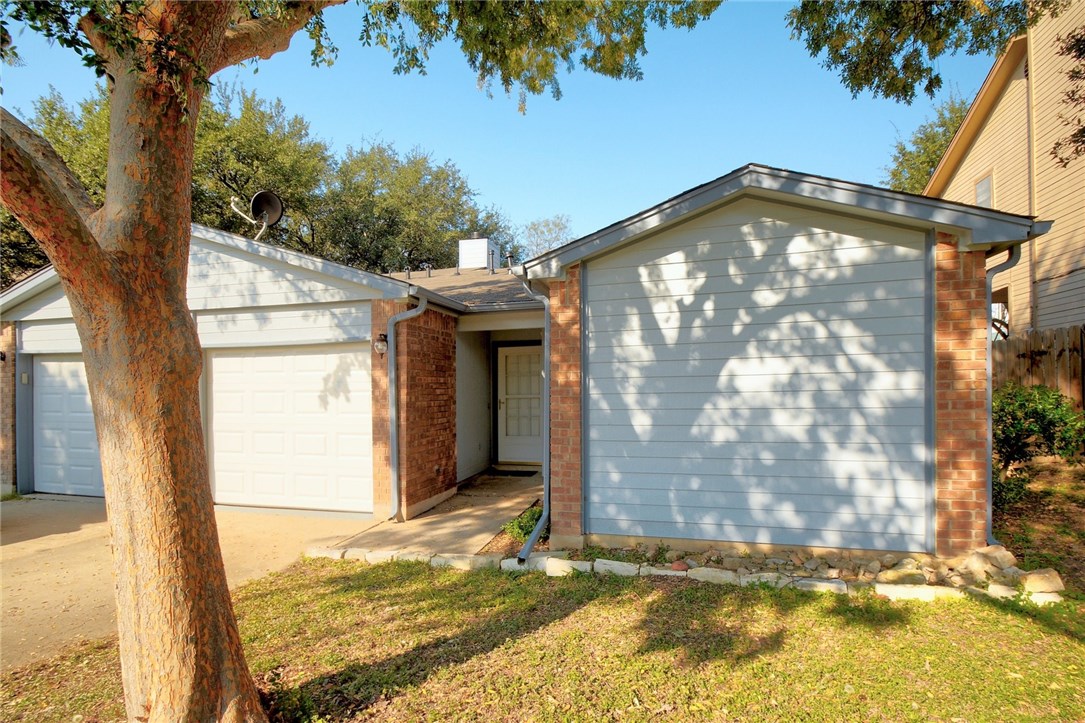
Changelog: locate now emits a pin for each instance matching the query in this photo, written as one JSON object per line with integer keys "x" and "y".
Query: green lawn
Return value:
{"x": 403, "y": 641}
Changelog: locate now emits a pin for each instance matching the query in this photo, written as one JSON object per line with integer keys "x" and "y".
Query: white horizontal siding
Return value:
{"x": 226, "y": 278}
{"x": 301, "y": 325}
{"x": 758, "y": 375}
{"x": 49, "y": 304}
{"x": 49, "y": 337}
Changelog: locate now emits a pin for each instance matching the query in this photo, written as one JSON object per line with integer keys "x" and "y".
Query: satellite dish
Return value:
{"x": 265, "y": 209}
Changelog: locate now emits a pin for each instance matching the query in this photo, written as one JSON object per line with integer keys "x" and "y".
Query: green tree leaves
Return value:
{"x": 914, "y": 160}
{"x": 889, "y": 47}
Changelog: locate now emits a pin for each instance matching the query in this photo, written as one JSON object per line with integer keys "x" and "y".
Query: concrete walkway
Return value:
{"x": 55, "y": 570}
{"x": 461, "y": 525}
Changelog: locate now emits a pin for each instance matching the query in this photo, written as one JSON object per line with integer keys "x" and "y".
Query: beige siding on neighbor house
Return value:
{"x": 1001, "y": 149}
{"x": 1060, "y": 192}
{"x": 1051, "y": 274}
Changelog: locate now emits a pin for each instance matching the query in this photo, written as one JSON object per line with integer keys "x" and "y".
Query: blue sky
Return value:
{"x": 732, "y": 91}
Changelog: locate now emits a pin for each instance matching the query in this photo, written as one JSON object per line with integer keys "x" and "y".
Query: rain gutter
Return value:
{"x": 544, "y": 520}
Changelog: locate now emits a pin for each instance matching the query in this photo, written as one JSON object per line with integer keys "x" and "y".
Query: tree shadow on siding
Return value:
{"x": 752, "y": 353}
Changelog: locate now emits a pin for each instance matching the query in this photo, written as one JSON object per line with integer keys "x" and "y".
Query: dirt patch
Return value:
{"x": 1047, "y": 527}
{"x": 505, "y": 544}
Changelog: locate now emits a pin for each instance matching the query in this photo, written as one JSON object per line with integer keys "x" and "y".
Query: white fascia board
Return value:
{"x": 28, "y": 288}
{"x": 978, "y": 228}
{"x": 389, "y": 287}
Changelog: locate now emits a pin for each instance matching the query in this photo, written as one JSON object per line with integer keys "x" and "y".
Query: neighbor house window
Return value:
{"x": 984, "y": 196}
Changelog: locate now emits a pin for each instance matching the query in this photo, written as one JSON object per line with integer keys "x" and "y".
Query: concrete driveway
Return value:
{"x": 56, "y": 578}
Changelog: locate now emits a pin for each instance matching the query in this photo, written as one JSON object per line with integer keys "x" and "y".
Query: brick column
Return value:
{"x": 960, "y": 346}
{"x": 565, "y": 427}
{"x": 426, "y": 358}
{"x": 7, "y": 410}
{"x": 426, "y": 381}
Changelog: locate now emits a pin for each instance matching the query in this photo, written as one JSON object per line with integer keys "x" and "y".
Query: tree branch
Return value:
{"x": 88, "y": 24}
{"x": 47, "y": 199}
{"x": 264, "y": 37}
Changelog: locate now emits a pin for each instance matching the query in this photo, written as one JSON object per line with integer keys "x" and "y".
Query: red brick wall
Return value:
{"x": 7, "y": 409}
{"x": 565, "y": 431}
{"x": 426, "y": 371}
{"x": 960, "y": 349}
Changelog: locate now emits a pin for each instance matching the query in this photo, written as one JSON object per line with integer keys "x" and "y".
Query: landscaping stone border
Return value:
{"x": 990, "y": 572}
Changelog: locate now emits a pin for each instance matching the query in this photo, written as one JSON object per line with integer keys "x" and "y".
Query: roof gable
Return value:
{"x": 226, "y": 271}
{"x": 977, "y": 228}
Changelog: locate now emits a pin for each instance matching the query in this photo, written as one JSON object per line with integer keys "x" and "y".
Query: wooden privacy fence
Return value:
{"x": 1052, "y": 357}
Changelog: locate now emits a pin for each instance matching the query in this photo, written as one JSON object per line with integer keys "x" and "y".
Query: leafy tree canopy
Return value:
{"x": 375, "y": 209}
{"x": 889, "y": 47}
{"x": 914, "y": 160}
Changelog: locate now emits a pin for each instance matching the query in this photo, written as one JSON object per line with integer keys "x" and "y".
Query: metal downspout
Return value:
{"x": 544, "y": 520}
{"x": 393, "y": 401}
{"x": 1009, "y": 263}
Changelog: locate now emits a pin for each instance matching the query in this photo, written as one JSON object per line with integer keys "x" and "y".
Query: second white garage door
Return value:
{"x": 292, "y": 427}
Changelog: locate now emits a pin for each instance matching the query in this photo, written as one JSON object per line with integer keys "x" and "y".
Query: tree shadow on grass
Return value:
{"x": 704, "y": 623}
{"x": 432, "y": 619}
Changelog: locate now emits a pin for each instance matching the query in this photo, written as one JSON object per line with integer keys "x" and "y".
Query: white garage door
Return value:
{"x": 292, "y": 427}
{"x": 66, "y": 459}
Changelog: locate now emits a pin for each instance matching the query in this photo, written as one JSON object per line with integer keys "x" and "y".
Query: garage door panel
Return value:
{"x": 711, "y": 378}
{"x": 66, "y": 459}
{"x": 296, "y": 427}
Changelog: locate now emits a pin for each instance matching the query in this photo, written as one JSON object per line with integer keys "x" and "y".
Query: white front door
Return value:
{"x": 519, "y": 404}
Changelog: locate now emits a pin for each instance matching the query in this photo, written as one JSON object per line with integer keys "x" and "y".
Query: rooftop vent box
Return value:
{"x": 475, "y": 253}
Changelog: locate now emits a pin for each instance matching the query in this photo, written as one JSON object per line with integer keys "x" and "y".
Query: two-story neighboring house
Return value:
{"x": 1001, "y": 158}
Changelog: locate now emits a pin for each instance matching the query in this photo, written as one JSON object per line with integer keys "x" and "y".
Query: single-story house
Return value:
{"x": 771, "y": 358}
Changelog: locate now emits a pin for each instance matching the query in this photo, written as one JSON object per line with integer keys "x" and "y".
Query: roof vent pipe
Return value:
{"x": 393, "y": 402}
{"x": 508, "y": 261}
{"x": 491, "y": 254}
{"x": 544, "y": 519}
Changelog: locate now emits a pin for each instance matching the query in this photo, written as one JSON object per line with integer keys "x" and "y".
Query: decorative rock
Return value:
{"x": 1045, "y": 580}
{"x": 796, "y": 558}
{"x": 978, "y": 566}
{"x": 901, "y": 577}
{"x": 837, "y": 586}
{"x": 332, "y": 553}
{"x": 414, "y": 556}
{"x": 464, "y": 562}
{"x": 673, "y": 555}
{"x": 558, "y": 567}
{"x": 812, "y": 564}
{"x": 1045, "y": 598}
{"x": 355, "y": 553}
{"x": 713, "y": 575}
{"x": 692, "y": 562}
{"x": 775, "y": 561}
{"x": 376, "y": 557}
{"x": 772, "y": 578}
{"x": 874, "y": 567}
{"x": 628, "y": 569}
{"x": 999, "y": 556}
{"x": 680, "y": 565}
{"x": 834, "y": 573}
{"x": 916, "y": 592}
{"x": 907, "y": 564}
{"x": 888, "y": 559}
{"x": 646, "y": 570}
{"x": 1008, "y": 576}
{"x": 999, "y": 592}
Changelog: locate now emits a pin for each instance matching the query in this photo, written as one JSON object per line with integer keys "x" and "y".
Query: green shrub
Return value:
{"x": 520, "y": 527}
{"x": 1008, "y": 487}
{"x": 1028, "y": 422}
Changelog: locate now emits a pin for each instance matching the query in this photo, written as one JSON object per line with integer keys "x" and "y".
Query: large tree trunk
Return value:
{"x": 124, "y": 270}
